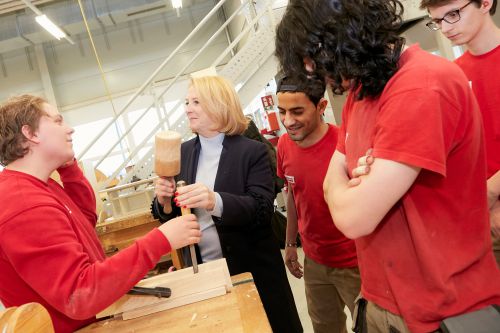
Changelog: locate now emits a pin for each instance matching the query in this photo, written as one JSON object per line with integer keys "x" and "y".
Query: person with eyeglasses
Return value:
{"x": 473, "y": 27}
{"x": 419, "y": 218}
{"x": 451, "y": 17}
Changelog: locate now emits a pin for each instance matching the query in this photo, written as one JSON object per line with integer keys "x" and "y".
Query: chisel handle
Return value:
{"x": 192, "y": 252}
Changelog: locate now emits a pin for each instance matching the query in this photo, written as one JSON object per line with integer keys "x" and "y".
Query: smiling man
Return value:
{"x": 470, "y": 23}
{"x": 330, "y": 271}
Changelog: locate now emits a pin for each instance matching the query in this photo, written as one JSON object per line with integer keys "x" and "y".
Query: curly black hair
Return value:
{"x": 355, "y": 40}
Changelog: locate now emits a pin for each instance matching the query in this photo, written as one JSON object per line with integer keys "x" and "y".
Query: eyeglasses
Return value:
{"x": 450, "y": 17}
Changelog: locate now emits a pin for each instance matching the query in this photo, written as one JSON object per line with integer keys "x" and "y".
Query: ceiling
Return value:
{"x": 9, "y": 6}
{"x": 18, "y": 28}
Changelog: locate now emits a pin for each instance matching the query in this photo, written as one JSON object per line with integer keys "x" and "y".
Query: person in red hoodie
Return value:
{"x": 49, "y": 250}
{"x": 470, "y": 23}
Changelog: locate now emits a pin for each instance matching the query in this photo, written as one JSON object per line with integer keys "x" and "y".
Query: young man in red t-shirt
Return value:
{"x": 420, "y": 217}
{"x": 49, "y": 250}
{"x": 330, "y": 271}
{"x": 470, "y": 23}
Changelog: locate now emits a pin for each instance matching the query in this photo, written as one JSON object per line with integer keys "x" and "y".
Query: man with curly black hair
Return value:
{"x": 473, "y": 26}
{"x": 420, "y": 217}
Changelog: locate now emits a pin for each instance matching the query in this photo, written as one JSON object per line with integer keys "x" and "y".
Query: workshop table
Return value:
{"x": 240, "y": 310}
{"x": 116, "y": 234}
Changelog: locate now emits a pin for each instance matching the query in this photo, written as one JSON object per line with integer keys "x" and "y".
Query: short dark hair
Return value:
{"x": 14, "y": 114}
{"x": 346, "y": 39}
{"x": 313, "y": 88}
{"x": 426, "y": 4}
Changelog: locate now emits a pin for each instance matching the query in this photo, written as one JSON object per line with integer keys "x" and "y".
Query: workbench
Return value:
{"x": 239, "y": 311}
{"x": 117, "y": 233}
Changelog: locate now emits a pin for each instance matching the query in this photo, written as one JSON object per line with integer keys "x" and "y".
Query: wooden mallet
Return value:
{"x": 167, "y": 158}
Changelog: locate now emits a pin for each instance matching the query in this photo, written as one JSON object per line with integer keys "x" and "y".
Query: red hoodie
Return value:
{"x": 50, "y": 253}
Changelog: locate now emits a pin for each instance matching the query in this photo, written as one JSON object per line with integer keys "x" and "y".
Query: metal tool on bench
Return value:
{"x": 192, "y": 251}
{"x": 156, "y": 291}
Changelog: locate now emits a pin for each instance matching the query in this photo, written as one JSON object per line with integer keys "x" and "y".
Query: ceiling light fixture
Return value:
{"x": 177, "y": 4}
{"x": 48, "y": 25}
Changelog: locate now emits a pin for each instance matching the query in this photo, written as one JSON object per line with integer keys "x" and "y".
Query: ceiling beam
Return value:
{"x": 10, "y": 6}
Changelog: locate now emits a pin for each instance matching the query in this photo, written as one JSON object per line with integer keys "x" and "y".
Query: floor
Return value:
{"x": 300, "y": 299}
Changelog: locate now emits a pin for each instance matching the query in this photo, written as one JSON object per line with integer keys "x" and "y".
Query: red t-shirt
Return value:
{"x": 50, "y": 253}
{"x": 304, "y": 169}
{"x": 483, "y": 72}
{"x": 430, "y": 257}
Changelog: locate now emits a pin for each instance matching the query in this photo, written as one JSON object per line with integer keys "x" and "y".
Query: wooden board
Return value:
{"x": 248, "y": 298}
{"x": 173, "y": 303}
{"x": 211, "y": 280}
{"x": 239, "y": 311}
{"x": 29, "y": 318}
{"x": 5, "y": 316}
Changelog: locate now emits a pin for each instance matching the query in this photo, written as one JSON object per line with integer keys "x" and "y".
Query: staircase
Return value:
{"x": 240, "y": 62}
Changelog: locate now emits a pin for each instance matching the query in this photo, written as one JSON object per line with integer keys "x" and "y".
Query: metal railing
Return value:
{"x": 152, "y": 77}
{"x": 146, "y": 159}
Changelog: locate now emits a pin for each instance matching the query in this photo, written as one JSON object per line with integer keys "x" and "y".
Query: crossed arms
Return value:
{"x": 358, "y": 210}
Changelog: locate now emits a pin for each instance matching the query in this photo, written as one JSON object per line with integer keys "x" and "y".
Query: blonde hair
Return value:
{"x": 221, "y": 103}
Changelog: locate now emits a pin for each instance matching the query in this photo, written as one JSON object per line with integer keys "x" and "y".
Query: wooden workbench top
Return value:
{"x": 123, "y": 222}
{"x": 238, "y": 311}
{"x": 119, "y": 233}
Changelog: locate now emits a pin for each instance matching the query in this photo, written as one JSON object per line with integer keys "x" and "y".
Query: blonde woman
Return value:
{"x": 231, "y": 193}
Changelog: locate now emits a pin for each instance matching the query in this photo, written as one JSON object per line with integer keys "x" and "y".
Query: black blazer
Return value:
{"x": 245, "y": 183}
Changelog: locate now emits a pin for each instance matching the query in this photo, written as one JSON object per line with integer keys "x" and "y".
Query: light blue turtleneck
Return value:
{"x": 208, "y": 164}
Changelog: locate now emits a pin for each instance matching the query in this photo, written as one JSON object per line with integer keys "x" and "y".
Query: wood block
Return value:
{"x": 212, "y": 280}
{"x": 5, "y": 316}
{"x": 176, "y": 302}
{"x": 29, "y": 318}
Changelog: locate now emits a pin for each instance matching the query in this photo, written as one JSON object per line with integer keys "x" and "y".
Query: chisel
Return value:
{"x": 192, "y": 251}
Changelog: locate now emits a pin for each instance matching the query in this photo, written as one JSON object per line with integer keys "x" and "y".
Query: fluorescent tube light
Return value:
{"x": 177, "y": 4}
{"x": 48, "y": 25}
